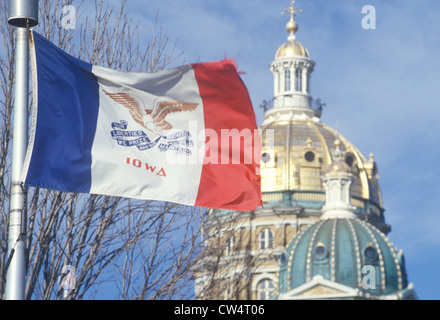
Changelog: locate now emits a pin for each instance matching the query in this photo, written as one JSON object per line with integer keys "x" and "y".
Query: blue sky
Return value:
{"x": 381, "y": 88}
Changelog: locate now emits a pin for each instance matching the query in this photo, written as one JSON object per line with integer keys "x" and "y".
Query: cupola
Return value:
{"x": 291, "y": 69}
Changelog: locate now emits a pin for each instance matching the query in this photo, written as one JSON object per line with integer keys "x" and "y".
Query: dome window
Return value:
{"x": 283, "y": 259}
{"x": 298, "y": 78}
{"x": 309, "y": 156}
{"x": 370, "y": 253}
{"x": 265, "y": 157}
{"x": 349, "y": 160}
{"x": 321, "y": 251}
{"x": 278, "y": 82}
{"x": 287, "y": 80}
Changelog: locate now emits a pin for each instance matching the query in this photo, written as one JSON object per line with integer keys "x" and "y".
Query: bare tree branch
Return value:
{"x": 141, "y": 249}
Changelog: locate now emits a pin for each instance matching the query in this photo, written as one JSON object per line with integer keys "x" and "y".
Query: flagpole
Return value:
{"x": 22, "y": 14}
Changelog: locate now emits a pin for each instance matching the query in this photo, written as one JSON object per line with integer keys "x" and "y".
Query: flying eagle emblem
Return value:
{"x": 151, "y": 119}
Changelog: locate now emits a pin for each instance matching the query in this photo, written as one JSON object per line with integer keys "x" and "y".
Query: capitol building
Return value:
{"x": 321, "y": 232}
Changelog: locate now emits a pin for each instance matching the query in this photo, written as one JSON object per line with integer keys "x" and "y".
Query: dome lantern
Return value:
{"x": 337, "y": 183}
{"x": 292, "y": 68}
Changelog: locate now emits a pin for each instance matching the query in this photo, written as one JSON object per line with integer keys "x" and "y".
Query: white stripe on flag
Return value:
{"x": 121, "y": 170}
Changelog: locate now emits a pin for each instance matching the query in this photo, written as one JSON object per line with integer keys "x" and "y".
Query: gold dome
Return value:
{"x": 290, "y": 49}
{"x": 297, "y": 154}
{"x": 302, "y": 153}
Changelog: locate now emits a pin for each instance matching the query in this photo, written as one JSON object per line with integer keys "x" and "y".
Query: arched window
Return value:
{"x": 266, "y": 239}
{"x": 278, "y": 82}
{"x": 265, "y": 289}
{"x": 287, "y": 80}
{"x": 298, "y": 80}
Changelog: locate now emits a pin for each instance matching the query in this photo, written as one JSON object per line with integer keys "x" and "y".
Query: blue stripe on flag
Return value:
{"x": 68, "y": 103}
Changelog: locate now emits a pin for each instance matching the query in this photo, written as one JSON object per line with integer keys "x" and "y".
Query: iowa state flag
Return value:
{"x": 185, "y": 135}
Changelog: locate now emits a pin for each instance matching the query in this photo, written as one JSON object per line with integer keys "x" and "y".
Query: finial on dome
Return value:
{"x": 338, "y": 165}
{"x": 371, "y": 167}
{"x": 292, "y": 26}
{"x": 338, "y": 154}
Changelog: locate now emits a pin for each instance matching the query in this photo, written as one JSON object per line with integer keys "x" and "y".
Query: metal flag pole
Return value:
{"x": 21, "y": 14}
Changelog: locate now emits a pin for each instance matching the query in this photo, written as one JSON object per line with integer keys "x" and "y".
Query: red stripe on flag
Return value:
{"x": 224, "y": 183}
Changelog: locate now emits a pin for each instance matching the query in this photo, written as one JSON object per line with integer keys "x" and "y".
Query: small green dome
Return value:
{"x": 338, "y": 250}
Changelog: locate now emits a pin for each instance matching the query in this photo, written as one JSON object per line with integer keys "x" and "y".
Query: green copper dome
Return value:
{"x": 343, "y": 251}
